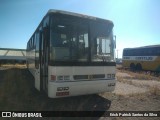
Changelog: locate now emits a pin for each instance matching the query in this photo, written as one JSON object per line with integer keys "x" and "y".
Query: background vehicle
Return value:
{"x": 72, "y": 54}
{"x": 146, "y": 58}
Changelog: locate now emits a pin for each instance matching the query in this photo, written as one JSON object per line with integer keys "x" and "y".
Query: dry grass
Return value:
{"x": 142, "y": 80}
{"x": 124, "y": 80}
{"x": 13, "y": 66}
{"x": 155, "y": 90}
{"x": 141, "y": 75}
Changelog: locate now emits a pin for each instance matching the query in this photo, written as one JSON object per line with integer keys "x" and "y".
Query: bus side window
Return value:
{"x": 158, "y": 51}
{"x": 37, "y": 50}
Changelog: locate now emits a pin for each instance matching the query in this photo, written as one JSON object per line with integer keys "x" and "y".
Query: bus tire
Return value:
{"x": 138, "y": 67}
{"x": 132, "y": 67}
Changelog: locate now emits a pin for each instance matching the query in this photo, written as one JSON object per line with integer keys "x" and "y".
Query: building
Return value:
{"x": 8, "y": 55}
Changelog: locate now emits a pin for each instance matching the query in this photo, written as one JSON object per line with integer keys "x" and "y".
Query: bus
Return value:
{"x": 72, "y": 54}
{"x": 142, "y": 58}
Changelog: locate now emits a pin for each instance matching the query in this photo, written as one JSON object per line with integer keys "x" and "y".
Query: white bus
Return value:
{"x": 71, "y": 54}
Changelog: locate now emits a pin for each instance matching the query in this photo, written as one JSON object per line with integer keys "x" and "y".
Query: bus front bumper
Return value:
{"x": 66, "y": 89}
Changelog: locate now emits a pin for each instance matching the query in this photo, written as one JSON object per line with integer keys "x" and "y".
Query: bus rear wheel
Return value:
{"x": 132, "y": 67}
{"x": 138, "y": 67}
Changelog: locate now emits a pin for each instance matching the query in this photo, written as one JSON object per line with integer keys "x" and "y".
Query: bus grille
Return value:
{"x": 88, "y": 77}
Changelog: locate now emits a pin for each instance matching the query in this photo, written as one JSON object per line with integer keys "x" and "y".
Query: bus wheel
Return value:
{"x": 139, "y": 67}
{"x": 132, "y": 67}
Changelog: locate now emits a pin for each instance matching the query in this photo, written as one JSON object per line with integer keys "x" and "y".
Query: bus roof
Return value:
{"x": 149, "y": 46}
{"x": 76, "y": 14}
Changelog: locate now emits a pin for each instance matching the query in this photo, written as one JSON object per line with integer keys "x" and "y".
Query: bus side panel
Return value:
{"x": 31, "y": 61}
{"x": 31, "y": 65}
{"x": 158, "y": 64}
{"x": 37, "y": 78}
{"x": 153, "y": 65}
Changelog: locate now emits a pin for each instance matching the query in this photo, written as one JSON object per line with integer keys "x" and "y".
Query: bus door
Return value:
{"x": 37, "y": 62}
{"x": 44, "y": 61}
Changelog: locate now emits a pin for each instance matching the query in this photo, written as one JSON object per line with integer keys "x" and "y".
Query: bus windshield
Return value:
{"x": 79, "y": 39}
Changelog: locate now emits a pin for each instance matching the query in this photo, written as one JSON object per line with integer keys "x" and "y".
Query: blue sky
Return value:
{"x": 136, "y": 22}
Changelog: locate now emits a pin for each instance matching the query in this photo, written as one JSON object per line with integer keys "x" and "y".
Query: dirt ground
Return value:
{"x": 127, "y": 84}
{"x": 134, "y": 95}
{"x": 133, "y": 92}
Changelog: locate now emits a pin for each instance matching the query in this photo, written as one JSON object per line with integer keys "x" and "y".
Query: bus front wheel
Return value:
{"x": 139, "y": 67}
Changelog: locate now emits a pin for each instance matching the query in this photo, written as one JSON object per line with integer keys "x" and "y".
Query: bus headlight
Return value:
{"x": 108, "y": 75}
{"x": 67, "y": 77}
{"x": 113, "y": 75}
{"x": 59, "y": 77}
